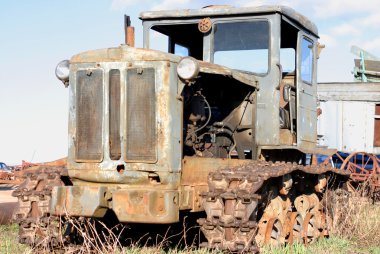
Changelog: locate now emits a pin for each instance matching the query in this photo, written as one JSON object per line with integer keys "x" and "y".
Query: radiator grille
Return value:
{"x": 114, "y": 119}
{"x": 141, "y": 116}
{"x": 89, "y": 108}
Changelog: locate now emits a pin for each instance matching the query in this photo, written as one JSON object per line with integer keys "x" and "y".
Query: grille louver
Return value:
{"x": 141, "y": 115}
{"x": 89, "y": 112}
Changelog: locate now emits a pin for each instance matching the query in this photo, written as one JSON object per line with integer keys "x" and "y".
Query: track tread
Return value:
{"x": 36, "y": 226}
{"x": 232, "y": 197}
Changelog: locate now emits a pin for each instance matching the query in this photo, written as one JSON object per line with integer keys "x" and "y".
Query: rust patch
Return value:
{"x": 205, "y": 25}
{"x": 376, "y": 141}
{"x": 6, "y": 212}
{"x": 136, "y": 203}
{"x": 196, "y": 169}
{"x": 77, "y": 192}
{"x": 146, "y": 206}
{"x": 286, "y": 137}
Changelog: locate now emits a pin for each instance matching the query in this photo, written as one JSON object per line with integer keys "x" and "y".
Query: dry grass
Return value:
{"x": 355, "y": 229}
{"x": 356, "y": 220}
{"x": 92, "y": 236}
{"x": 92, "y": 240}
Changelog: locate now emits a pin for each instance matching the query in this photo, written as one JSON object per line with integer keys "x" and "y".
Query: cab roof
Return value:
{"x": 225, "y": 10}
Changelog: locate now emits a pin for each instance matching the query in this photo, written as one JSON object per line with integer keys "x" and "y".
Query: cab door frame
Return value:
{"x": 306, "y": 91}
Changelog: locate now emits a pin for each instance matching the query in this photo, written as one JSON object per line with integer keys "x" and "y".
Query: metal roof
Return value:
{"x": 220, "y": 11}
{"x": 349, "y": 91}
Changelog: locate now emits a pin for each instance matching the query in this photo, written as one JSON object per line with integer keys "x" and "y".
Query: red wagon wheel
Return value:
{"x": 361, "y": 165}
{"x": 376, "y": 177}
{"x": 333, "y": 160}
{"x": 378, "y": 164}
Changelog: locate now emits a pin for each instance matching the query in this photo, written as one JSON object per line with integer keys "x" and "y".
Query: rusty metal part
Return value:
{"x": 268, "y": 228}
{"x": 14, "y": 181}
{"x": 364, "y": 167}
{"x": 310, "y": 230}
{"x": 204, "y": 25}
{"x": 214, "y": 6}
{"x": 273, "y": 233}
{"x": 28, "y": 167}
{"x": 229, "y": 206}
{"x": 6, "y": 176}
{"x": 129, "y": 32}
{"x": 375, "y": 178}
{"x": 293, "y": 228}
{"x": 232, "y": 201}
{"x": 20, "y": 172}
{"x": 36, "y": 226}
{"x": 307, "y": 203}
{"x": 324, "y": 224}
{"x": 6, "y": 212}
{"x": 27, "y": 164}
{"x": 321, "y": 184}
{"x": 287, "y": 183}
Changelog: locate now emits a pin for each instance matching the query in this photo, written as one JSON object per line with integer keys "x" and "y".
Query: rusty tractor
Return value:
{"x": 214, "y": 117}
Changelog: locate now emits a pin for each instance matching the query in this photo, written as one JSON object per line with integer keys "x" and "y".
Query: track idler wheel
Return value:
{"x": 274, "y": 233}
{"x": 310, "y": 228}
{"x": 293, "y": 228}
{"x": 271, "y": 232}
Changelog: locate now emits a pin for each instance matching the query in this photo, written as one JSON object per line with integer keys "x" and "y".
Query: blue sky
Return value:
{"x": 36, "y": 35}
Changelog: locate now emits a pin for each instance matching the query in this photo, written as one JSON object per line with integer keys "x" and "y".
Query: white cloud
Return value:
{"x": 153, "y": 4}
{"x": 372, "y": 20}
{"x": 120, "y": 4}
{"x": 329, "y": 8}
{"x": 346, "y": 29}
{"x": 322, "y": 9}
{"x": 247, "y": 3}
{"x": 170, "y": 4}
{"x": 328, "y": 40}
{"x": 372, "y": 45}
{"x": 242, "y": 3}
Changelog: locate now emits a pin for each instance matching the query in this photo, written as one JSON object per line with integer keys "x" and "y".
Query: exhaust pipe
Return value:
{"x": 129, "y": 32}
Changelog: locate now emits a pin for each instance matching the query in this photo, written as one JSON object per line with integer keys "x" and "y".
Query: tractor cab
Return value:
{"x": 275, "y": 44}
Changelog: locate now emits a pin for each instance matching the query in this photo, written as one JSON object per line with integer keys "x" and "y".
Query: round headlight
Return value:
{"x": 188, "y": 68}
{"x": 62, "y": 71}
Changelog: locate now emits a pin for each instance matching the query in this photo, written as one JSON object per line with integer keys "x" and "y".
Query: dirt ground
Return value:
{"x": 6, "y": 193}
{"x": 7, "y": 203}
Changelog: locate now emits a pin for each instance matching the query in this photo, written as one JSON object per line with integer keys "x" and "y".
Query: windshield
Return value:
{"x": 242, "y": 45}
{"x": 179, "y": 39}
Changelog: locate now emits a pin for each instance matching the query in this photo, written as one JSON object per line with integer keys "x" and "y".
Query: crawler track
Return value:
{"x": 247, "y": 207}
{"x": 265, "y": 203}
{"x": 36, "y": 226}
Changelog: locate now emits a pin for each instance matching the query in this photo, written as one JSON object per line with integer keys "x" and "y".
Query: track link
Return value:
{"x": 233, "y": 199}
{"x": 36, "y": 226}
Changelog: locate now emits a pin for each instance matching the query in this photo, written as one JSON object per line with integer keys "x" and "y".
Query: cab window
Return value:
{"x": 242, "y": 45}
{"x": 307, "y": 61}
{"x": 179, "y": 39}
{"x": 181, "y": 50}
{"x": 159, "y": 41}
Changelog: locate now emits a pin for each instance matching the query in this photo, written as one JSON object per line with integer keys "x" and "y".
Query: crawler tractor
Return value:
{"x": 215, "y": 116}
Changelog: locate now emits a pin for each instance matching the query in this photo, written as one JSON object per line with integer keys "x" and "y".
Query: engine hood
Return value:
{"x": 125, "y": 53}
